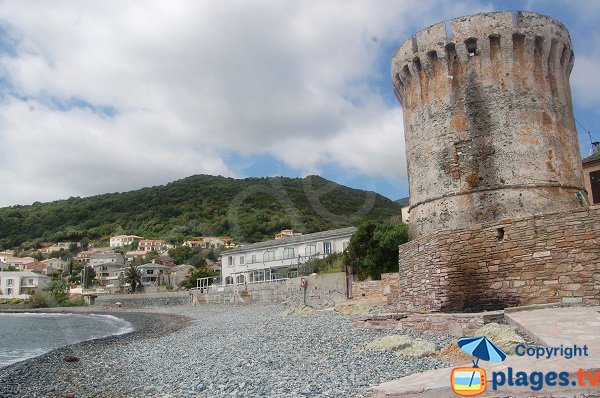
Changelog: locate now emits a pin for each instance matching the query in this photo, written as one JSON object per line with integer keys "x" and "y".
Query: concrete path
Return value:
{"x": 551, "y": 327}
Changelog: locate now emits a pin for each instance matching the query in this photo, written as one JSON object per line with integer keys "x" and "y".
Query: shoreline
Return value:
{"x": 147, "y": 324}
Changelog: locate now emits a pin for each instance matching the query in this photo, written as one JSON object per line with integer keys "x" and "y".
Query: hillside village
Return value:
{"x": 163, "y": 266}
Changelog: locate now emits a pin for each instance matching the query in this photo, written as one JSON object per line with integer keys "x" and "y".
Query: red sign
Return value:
{"x": 303, "y": 282}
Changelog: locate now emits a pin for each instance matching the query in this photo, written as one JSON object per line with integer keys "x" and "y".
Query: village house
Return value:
{"x": 591, "y": 172}
{"x": 5, "y": 255}
{"x": 280, "y": 258}
{"x": 38, "y": 268}
{"x": 57, "y": 247}
{"x": 287, "y": 233}
{"x": 147, "y": 245}
{"x": 20, "y": 263}
{"x": 55, "y": 264}
{"x": 133, "y": 254}
{"x": 194, "y": 243}
{"x": 107, "y": 272}
{"x": 21, "y": 284}
{"x": 3, "y": 266}
{"x": 85, "y": 255}
{"x": 103, "y": 258}
{"x": 124, "y": 240}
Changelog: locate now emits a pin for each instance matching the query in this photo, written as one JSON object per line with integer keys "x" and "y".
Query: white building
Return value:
{"x": 21, "y": 284}
{"x": 124, "y": 240}
{"x": 280, "y": 258}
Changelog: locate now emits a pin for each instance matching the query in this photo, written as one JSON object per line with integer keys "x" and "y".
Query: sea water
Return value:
{"x": 26, "y": 335}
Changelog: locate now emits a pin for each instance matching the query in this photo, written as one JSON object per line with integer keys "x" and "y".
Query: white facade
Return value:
{"x": 123, "y": 240}
{"x": 271, "y": 259}
{"x": 20, "y": 284}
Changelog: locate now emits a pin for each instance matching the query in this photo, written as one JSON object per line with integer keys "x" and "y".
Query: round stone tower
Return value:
{"x": 488, "y": 120}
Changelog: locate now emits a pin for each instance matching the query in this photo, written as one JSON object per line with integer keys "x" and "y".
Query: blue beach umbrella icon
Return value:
{"x": 481, "y": 348}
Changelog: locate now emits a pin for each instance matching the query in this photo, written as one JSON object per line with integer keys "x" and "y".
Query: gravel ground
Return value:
{"x": 225, "y": 351}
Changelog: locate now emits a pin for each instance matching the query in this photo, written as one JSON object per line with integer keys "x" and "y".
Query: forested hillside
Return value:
{"x": 249, "y": 210}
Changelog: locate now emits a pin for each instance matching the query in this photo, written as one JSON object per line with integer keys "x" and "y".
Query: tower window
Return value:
{"x": 471, "y": 46}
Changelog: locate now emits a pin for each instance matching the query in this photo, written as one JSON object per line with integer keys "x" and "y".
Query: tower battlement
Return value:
{"x": 488, "y": 120}
{"x": 497, "y": 44}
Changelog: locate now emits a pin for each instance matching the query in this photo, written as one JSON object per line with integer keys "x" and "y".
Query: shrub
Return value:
{"x": 41, "y": 300}
{"x": 169, "y": 288}
{"x": 74, "y": 303}
{"x": 16, "y": 301}
{"x": 4, "y": 301}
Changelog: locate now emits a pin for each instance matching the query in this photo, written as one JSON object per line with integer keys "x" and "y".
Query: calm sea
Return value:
{"x": 26, "y": 335}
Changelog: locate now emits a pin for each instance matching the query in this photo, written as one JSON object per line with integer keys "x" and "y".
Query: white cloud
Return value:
{"x": 190, "y": 81}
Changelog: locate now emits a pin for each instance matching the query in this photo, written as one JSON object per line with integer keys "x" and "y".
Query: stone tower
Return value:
{"x": 488, "y": 120}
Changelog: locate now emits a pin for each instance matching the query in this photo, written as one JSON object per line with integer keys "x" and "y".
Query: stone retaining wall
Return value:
{"x": 321, "y": 291}
{"x": 386, "y": 287}
{"x": 535, "y": 260}
{"x": 145, "y": 299}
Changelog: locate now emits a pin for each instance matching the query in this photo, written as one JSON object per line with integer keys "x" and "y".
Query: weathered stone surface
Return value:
{"x": 488, "y": 120}
{"x": 457, "y": 281}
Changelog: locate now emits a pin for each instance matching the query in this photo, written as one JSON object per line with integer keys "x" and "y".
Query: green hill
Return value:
{"x": 249, "y": 210}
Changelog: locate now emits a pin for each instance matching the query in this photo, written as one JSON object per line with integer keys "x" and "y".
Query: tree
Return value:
{"x": 152, "y": 254}
{"x": 133, "y": 276}
{"x": 11, "y": 268}
{"x": 196, "y": 274}
{"x": 373, "y": 249}
{"x": 88, "y": 276}
{"x": 57, "y": 290}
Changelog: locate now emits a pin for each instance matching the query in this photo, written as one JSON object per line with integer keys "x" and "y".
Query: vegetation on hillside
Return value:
{"x": 249, "y": 210}
{"x": 373, "y": 249}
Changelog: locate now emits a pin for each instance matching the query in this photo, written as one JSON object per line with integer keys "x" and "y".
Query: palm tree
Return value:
{"x": 133, "y": 276}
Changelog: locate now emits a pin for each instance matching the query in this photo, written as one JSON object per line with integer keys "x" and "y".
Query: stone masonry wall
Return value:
{"x": 386, "y": 287}
{"x": 321, "y": 291}
{"x": 145, "y": 299}
{"x": 544, "y": 259}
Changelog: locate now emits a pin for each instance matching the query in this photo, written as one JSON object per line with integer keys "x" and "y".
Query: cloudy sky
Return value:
{"x": 107, "y": 96}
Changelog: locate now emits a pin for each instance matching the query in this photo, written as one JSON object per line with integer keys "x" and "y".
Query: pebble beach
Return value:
{"x": 219, "y": 351}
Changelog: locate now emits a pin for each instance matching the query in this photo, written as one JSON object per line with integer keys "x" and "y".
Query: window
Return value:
{"x": 9, "y": 291}
{"x": 30, "y": 281}
{"x": 150, "y": 272}
{"x": 230, "y": 260}
{"x": 327, "y": 247}
{"x": 288, "y": 252}
{"x": 10, "y": 282}
{"x": 595, "y": 186}
{"x": 254, "y": 258}
{"x": 269, "y": 255}
{"x": 310, "y": 250}
{"x": 104, "y": 268}
{"x": 241, "y": 260}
